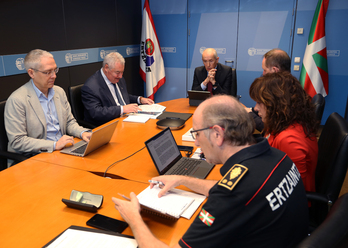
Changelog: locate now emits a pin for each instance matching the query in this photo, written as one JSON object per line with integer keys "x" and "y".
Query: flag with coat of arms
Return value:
{"x": 151, "y": 59}
{"x": 314, "y": 75}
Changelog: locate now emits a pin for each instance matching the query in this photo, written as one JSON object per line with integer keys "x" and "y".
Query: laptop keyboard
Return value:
{"x": 185, "y": 167}
{"x": 80, "y": 149}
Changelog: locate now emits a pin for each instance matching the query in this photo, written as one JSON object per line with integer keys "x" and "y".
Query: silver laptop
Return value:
{"x": 196, "y": 97}
{"x": 168, "y": 160}
{"x": 99, "y": 138}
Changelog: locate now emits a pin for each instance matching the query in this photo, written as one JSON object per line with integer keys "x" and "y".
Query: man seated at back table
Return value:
{"x": 260, "y": 200}
{"x": 104, "y": 94}
{"x": 275, "y": 60}
{"x": 38, "y": 117}
{"x": 213, "y": 76}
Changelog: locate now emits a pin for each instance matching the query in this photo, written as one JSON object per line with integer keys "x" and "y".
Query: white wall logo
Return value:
{"x": 103, "y": 53}
{"x": 168, "y": 49}
{"x": 333, "y": 53}
{"x": 20, "y": 64}
{"x": 132, "y": 50}
{"x": 75, "y": 57}
{"x": 218, "y": 50}
{"x": 256, "y": 51}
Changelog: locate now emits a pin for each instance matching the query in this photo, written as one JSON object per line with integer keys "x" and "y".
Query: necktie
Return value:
{"x": 210, "y": 88}
{"x": 119, "y": 97}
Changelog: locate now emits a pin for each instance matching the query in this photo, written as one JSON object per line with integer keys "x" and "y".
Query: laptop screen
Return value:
{"x": 163, "y": 150}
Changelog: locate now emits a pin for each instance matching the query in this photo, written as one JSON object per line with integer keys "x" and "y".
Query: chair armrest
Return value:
{"x": 13, "y": 156}
{"x": 317, "y": 197}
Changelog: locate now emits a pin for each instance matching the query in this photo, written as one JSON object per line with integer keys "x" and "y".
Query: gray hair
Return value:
{"x": 211, "y": 50}
{"x": 33, "y": 59}
{"x": 112, "y": 58}
{"x": 227, "y": 112}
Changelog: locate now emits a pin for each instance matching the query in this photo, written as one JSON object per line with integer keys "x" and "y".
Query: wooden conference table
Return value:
{"x": 127, "y": 139}
{"x": 31, "y": 209}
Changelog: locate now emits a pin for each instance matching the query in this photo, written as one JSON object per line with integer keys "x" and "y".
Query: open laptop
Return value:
{"x": 99, "y": 138}
{"x": 196, "y": 97}
{"x": 168, "y": 159}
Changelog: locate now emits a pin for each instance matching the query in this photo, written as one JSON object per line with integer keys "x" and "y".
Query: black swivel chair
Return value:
{"x": 333, "y": 232}
{"x": 319, "y": 102}
{"x": 77, "y": 107}
{"x": 331, "y": 168}
{"x": 234, "y": 83}
{"x": 4, "y": 154}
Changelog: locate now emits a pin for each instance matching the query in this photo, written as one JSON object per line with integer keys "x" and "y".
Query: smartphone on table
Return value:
{"x": 106, "y": 223}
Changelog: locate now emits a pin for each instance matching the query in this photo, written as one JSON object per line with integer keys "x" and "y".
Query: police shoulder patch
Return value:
{"x": 232, "y": 177}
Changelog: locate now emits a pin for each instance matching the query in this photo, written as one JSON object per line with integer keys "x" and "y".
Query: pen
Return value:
{"x": 125, "y": 197}
{"x": 156, "y": 182}
{"x": 148, "y": 113}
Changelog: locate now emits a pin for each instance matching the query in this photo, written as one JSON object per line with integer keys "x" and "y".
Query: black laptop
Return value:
{"x": 196, "y": 97}
{"x": 169, "y": 161}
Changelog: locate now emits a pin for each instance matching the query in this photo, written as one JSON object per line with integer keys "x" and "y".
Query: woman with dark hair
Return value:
{"x": 289, "y": 120}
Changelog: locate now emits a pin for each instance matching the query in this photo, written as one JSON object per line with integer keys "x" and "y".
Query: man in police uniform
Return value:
{"x": 260, "y": 200}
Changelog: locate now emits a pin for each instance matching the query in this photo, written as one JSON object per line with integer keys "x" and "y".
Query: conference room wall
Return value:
{"x": 60, "y": 25}
{"x": 262, "y": 25}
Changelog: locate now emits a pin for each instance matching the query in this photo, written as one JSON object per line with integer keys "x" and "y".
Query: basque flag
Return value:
{"x": 314, "y": 73}
{"x": 151, "y": 59}
{"x": 206, "y": 217}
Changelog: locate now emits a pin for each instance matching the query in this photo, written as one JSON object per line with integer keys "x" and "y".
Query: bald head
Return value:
{"x": 210, "y": 58}
{"x": 227, "y": 112}
{"x": 276, "y": 60}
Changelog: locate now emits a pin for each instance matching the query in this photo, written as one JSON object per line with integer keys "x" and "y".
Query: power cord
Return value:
{"x": 121, "y": 161}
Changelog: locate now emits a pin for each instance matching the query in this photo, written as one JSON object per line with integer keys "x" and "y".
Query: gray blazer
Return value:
{"x": 25, "y": 120}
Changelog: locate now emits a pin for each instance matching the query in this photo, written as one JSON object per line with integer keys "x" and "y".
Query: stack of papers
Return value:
{"x": 153, "y": 110}
{"x": 187, "y": 136}
{"x": 147, "y": 112}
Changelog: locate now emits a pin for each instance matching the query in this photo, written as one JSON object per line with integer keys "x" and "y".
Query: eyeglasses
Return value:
{"x": 48, "y": 73}
{"x": 209, "y": 61}
{"x": 193, "y": 132}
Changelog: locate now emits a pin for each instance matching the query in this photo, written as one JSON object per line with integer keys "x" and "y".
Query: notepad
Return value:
{"x": 172, "y": 205}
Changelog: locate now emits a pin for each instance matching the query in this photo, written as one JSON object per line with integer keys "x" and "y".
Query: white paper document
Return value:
{"x": 194, "y": 205}
{"x": 188, "y": 136}
{"x": 72, "y": 238}
{"x": 152, "y": 108}
{"x": 140, "y": 118}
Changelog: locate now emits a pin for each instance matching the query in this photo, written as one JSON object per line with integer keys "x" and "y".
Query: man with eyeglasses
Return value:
{"x": 212, "y": 76}
{"x": 38, "y": 117}
{"x": 104, "y": 94}
{"x": 260, "y": 200}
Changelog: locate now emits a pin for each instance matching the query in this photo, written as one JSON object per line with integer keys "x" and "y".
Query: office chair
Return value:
{"x": 4, "y": 154}
{"x": 233, "y": 91}
{"x": 331, "y": 168}
{"x": 77, "y": 107}
{"x": 319, "y": 102}
{"x": 333, "y": 232}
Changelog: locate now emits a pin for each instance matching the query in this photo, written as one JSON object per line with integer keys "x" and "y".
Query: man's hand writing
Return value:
{"x": 131, "y": 108}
